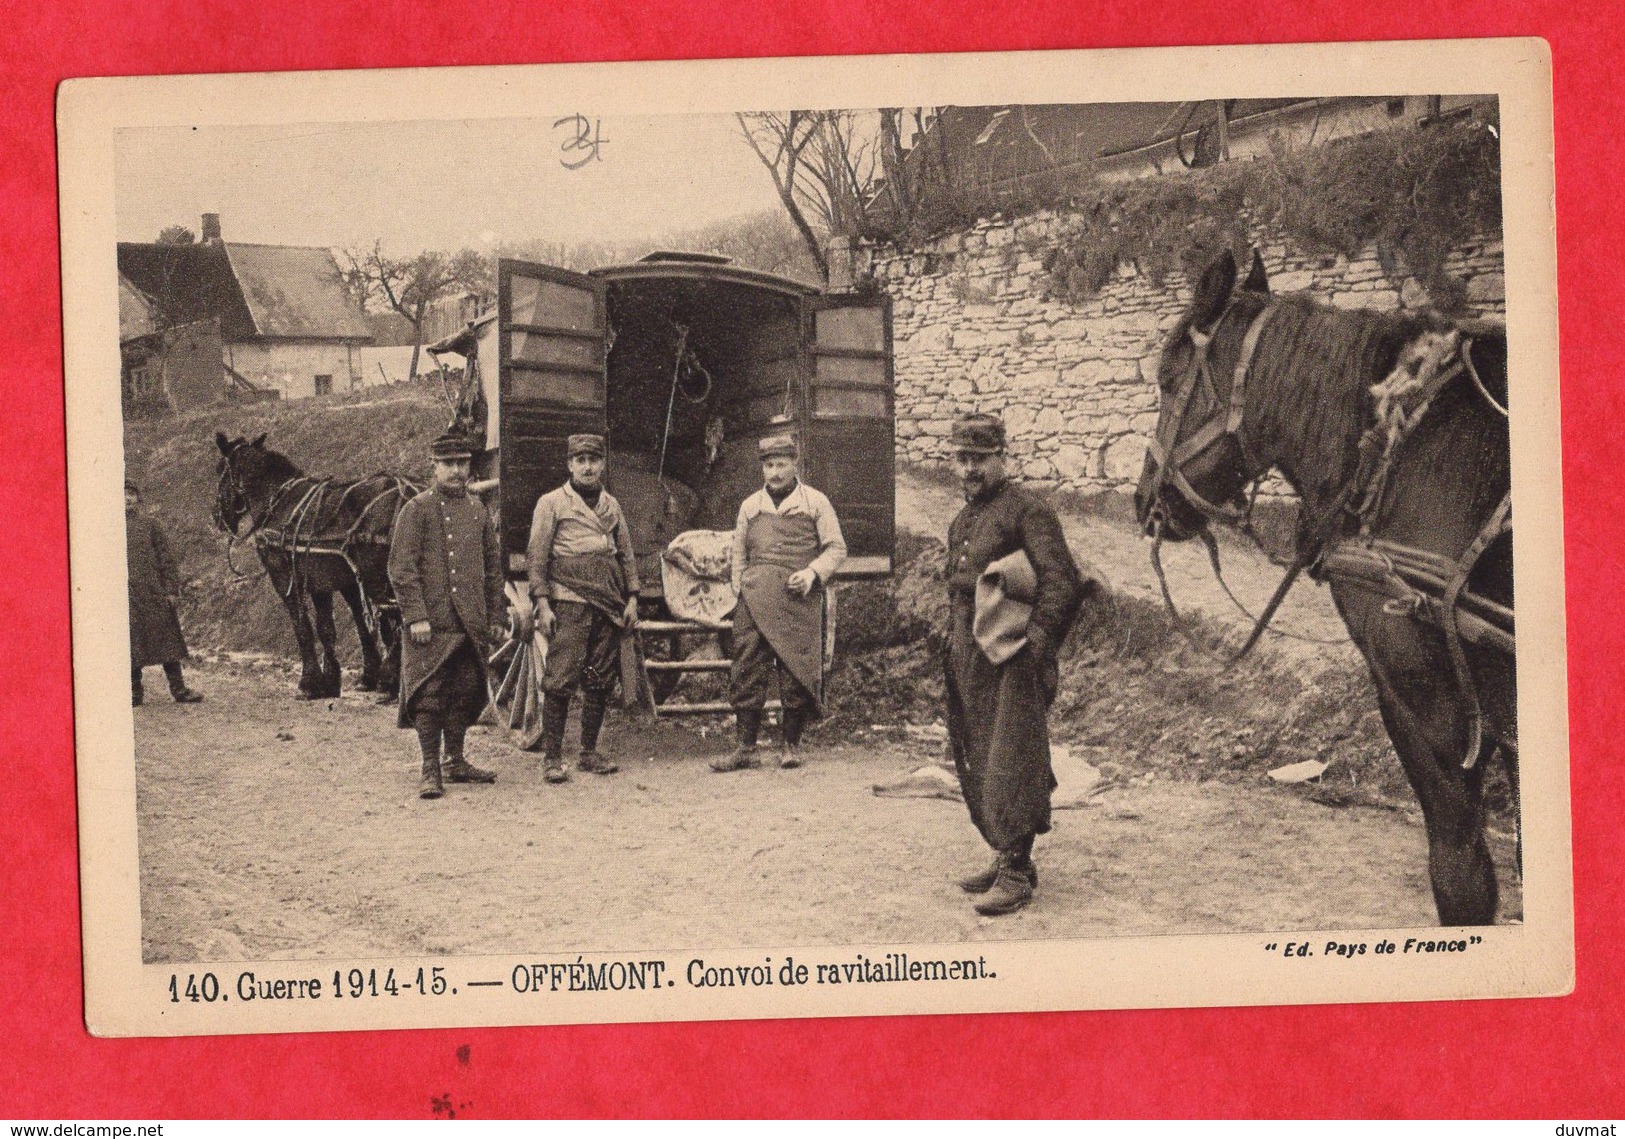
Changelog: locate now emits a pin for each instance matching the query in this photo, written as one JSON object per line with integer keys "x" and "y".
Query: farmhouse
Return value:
{"x": 214, "y": 320}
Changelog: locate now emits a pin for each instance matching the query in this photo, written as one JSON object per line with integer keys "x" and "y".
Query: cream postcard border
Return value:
{"x": 124, "y": 997}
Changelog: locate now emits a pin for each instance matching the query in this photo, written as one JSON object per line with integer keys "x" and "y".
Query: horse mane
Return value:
{"x": 1310, "y": 382}
{"x": 278, "y": 467}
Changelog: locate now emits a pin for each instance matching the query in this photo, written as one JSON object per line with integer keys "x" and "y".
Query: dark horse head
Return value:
{"x": 1198, "y": 467}
{"x": 247, "y": 476}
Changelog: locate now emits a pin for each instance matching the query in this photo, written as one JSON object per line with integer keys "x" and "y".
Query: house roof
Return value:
{"x": 134, "y": 312}
{"x": 294, "y": 291}
{"x": 275, "y": 291}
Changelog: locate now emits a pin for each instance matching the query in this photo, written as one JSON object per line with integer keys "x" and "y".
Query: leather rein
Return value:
{"x": 1410, "y": 578}
{"x": 1169, "y": 453}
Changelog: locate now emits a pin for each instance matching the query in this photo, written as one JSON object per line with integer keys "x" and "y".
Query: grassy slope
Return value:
{"x": 174, "y": 460}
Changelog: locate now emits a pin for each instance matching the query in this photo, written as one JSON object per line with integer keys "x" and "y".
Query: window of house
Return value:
{"x": 324, "y": 385}
{"x": 140, "y": 381}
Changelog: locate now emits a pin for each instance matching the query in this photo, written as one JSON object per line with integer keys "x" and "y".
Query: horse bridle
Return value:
{"x": 227, "y": 480}
{"x": 1169, "y": 452}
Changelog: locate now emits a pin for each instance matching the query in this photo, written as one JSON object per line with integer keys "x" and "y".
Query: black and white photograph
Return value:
{"x": 597, "y": 548}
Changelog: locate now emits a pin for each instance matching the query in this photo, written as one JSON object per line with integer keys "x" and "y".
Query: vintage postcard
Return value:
{"x": 816, "y": 537}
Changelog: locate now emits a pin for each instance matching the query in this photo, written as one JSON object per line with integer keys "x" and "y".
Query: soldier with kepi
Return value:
{"x": 446, "y": 567}
{"x": 787, "y": 545}
{"x": 584, "y": 584}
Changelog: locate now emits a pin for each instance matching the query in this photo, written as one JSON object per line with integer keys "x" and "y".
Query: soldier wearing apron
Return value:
{"x": 584, "y": 582}
{"x": 787, "y": 545}
{"x": 446, "y": 567}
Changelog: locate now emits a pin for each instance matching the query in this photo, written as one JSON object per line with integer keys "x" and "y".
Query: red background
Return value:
{"x": 1542, "y": 1058}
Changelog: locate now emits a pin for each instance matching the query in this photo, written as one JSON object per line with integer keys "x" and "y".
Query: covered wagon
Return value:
{"x": 683, "y": 362}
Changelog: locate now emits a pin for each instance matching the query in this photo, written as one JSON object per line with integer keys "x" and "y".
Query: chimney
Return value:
{"x": 211, "y": 229}
{"x": 838, "y": 254}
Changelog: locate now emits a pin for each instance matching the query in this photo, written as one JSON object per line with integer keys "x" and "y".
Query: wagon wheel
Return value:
{"x": 516, "y": 669}
{"x": 517, "y": 697}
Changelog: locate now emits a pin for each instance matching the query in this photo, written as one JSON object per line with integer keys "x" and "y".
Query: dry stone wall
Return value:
{"x": 1076, "y": 384}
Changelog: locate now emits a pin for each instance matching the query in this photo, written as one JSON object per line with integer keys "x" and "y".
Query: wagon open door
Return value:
{"x": 552, "y": 337}
{"x": 552, "y": 360}
{"x": 849, "y": 423}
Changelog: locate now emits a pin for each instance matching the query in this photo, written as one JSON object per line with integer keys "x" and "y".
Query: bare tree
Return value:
{"x": 781, "y": 140}
{"x": 845, "y": 173}
{"x": 410, "y": 285}
{"x": 176, "y": 235}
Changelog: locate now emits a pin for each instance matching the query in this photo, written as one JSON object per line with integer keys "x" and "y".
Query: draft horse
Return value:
{"x": 316, "y": 537}
{"x": 1392, "y": 429}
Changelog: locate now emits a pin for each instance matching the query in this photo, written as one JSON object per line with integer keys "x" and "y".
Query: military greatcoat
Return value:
{"x": 446, "y": 566}
{"x": 996, "y": 713}
{"x": 155, "y": 630}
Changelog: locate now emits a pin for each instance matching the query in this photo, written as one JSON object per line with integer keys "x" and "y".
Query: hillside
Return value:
{"x": 175, "y": 463}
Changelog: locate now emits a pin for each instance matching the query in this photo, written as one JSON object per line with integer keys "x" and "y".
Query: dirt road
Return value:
{"x": 276, "y": 829}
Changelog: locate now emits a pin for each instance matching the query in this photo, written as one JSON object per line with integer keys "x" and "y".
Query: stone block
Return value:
{"x": 931, "y": 338}
{"x": 1018, "y": 420}
{"x": 1088, "y": 374}
{"x": 1134, "y": 326}
{"x": 1071, "y": 461}
{"x": 1124, "y": 458}
{"x": 1295, "y": 282}
{"x": 1048, "y": 421}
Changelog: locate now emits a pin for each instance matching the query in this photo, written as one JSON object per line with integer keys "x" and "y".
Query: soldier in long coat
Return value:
{"x": 787, "y": 546}
{"x": 997, "y": 730}
{"x": 446, "y": 567}
{"x": 155, "y": 585}
{"x": 584, "y": 583}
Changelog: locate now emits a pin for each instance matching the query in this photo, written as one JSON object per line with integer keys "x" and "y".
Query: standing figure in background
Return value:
{"x": 155, "y": 587}
{"x": 584, "y": 582}
{"x": 997, "y": 729}
{"x": 787, "y": 546}
{"x": 446, "y": 567}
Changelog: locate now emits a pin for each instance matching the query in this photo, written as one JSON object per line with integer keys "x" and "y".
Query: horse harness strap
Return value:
{"x": 291, "y": 539}
{"x": 1418, "y": 583}
{"x": 1167, "y": 448}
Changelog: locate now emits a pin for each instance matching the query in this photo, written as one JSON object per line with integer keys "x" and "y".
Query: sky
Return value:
{"x": 439, "y": 185}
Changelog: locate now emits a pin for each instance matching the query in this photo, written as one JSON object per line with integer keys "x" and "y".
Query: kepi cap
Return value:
{"x": 774, "y": 445}
{"x": 584, "y": 445}
{"x": 979, "y": 433}
{"x": 452, "y": 445}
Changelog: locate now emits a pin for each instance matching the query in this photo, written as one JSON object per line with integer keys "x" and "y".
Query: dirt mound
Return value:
{"x": 174, "y": 460}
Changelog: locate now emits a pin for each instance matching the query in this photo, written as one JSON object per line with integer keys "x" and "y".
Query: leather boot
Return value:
{"x": 456, "y": 768}
{"x": 429, "y": 782}
{"x": 748, "y": 724}
{"x": 791, "y": 720}
{"x": 555, "y": 709}
{"x": 982, "y": 881}
{"x": 592, "y": 719}
{"x": 1011, "y": 891}
{"x": 428, "y": 729}
{"x": 177, "y": 685}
